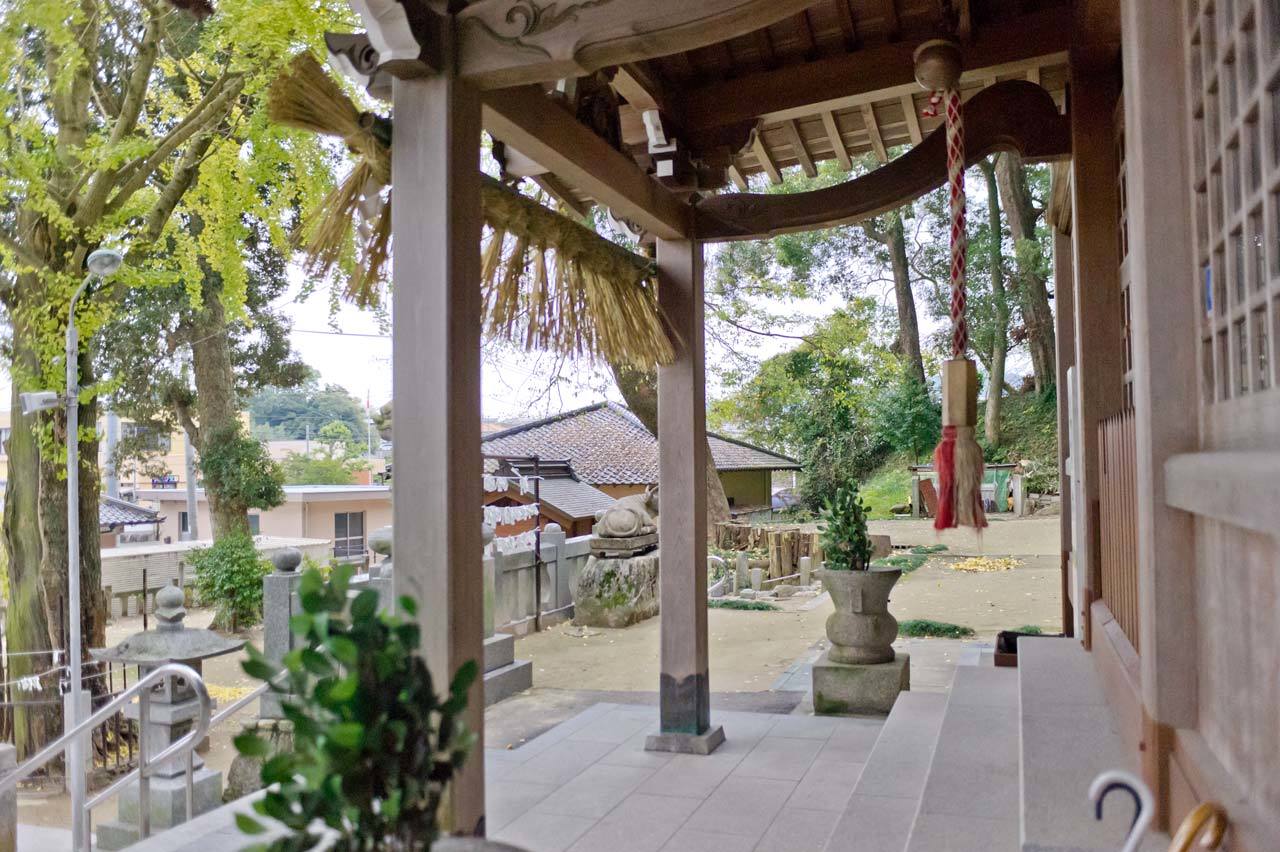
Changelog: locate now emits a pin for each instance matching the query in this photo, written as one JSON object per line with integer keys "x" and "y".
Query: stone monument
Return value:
{"x": 619, "y": 584}
{"x": 174, "y": 708}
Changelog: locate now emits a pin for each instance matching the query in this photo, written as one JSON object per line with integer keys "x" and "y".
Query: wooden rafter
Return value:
{"x": 873, "y": 133}
{"x": 764, "y": 44}
{"x": 1014, "y": 115}
{"x": 888, "y": 70}
{"x": 762, "y": 157}
{"x": 528, "y": 121}
{"x": 641, "y": 89}
{"x": 913, "y": 118}
{"x": 892, "y": 26}
{"x": 847, "y": 24}
{"x": 805, "y": 29}
{"x": 735, "y": 175}
{"x": 797, "y": 147}
{"x": 841, "y": 151}
{"x": 558, "y": 190}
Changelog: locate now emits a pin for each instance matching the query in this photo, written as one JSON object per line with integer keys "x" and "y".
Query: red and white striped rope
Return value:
{"x": 959, "y": 233}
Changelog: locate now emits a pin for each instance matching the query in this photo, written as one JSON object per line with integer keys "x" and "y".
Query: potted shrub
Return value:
{"x": 374, "y": 746}
{"x": 861, "y": 629}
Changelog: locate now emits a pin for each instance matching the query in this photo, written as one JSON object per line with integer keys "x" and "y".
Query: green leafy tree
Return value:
{"x": 177, "y": 362}
{"x": 300, "y": 412}
{"x": 229, "y": 576}
{"x": 846, "y": 545}
{"x": 815, "y": 402}
{"x": 909, "y": 419}
{"x": 374, "y": 747}
{"x": 125, "y": 122}
{"x": 239, "y": 476}
{"x": 334, "y": 461}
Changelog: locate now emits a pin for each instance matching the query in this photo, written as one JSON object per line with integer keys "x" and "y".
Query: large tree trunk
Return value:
{"x": 893, "y": 237}
{"x": 908, "y": 325}
{"x": 215, "y": 400}
{"x": 640, "y": 392}
{"x": 1000, "y": 334}
{"x": 1033, "y": 290}
{"x": 28, "y": 625}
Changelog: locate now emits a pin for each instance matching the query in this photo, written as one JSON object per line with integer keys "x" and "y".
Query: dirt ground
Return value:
{"x": 748, "y": 650}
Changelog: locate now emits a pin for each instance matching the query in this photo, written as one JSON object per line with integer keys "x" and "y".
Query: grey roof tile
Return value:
{"x": 608, "y": 445}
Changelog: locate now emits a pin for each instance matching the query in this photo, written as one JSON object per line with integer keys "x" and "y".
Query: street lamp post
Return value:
{"x": 101, "y": 263}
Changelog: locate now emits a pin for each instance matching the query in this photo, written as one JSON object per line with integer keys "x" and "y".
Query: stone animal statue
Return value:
{"x": 630, "y": 516}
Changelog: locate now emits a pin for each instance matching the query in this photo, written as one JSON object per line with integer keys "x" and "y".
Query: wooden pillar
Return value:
{"x": 1065, "y": 340}
{"x": 1099, "y": 341}
{"x": 1165, "y": 389}
{"x": 684, "y": 690}
{"x": 436, "y": 379}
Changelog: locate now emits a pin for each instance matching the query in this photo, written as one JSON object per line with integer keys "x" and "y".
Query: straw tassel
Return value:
{"x": 547, "y": 282}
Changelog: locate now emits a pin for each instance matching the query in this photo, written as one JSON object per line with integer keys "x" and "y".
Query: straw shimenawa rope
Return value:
{"x": 548, "y": 282}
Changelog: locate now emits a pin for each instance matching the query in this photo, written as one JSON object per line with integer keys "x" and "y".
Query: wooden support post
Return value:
{"x": 1099, "y": 337}
{"x": 1065, "y": 338}
{"x": 684, "y": 690}
{"x": 436, "y": 380}
{"x": 1163, "y": 315}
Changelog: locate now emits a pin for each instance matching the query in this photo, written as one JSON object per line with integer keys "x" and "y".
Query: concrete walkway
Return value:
{"x": 780, "y": 782}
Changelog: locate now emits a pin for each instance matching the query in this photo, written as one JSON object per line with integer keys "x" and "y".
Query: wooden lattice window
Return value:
{"x": 1122, "y": 240}
{"x": 1233, "y": 56}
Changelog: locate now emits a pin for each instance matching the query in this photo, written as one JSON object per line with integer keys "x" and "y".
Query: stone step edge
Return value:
{"x": 962, "y": 670}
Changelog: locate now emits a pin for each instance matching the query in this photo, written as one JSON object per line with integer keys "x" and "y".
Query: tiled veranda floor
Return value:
{"x": 587, "y": 785}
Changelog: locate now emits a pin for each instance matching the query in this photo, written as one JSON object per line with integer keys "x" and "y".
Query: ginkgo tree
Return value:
{"x": 126, "y": 123}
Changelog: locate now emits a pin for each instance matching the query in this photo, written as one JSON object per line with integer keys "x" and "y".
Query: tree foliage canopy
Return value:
{"x": 816, "y": 401}
{"x": 287, "y": 413}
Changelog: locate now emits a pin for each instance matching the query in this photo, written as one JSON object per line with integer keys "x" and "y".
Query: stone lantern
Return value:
{"x": 174, "y": 708}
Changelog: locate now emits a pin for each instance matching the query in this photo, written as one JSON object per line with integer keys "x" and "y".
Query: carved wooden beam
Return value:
{"x": 512, "y": 42}
{"x": 1011, "y": 116}
{"x": 526, "y": 119}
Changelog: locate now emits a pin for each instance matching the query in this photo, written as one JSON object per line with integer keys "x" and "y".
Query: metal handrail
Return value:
{"x": 146, "y": 765}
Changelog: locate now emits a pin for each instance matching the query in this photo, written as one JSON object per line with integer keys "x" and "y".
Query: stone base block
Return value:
{"x": 704, "y": 743}
{"x": 499, "y": 651}
{"x": 168, "y": 807}
{"x": 507, "y": 681}
{"x": 616, "y": 592}
{"x": 841, "y": 689}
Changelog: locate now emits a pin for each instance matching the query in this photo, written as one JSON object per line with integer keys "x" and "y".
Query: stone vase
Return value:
{"x": 861, "y": 629}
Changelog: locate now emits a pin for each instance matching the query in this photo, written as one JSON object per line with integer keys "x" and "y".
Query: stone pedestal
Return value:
{"x": 279, "y": 603}
{"x": 616, "y": 592}
{"x": 168, "y": 807}
{"x": 859, "y": 689}
{"x": 504, "y": 675}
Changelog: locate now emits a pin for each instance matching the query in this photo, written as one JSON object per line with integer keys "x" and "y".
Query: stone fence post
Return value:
{"x": 279, "y": 593}
{"x": 8, "y": 801}
{"x": 557, "y": 590}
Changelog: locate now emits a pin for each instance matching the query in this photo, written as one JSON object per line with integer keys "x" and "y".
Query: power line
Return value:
{"x": 341, "y": 333}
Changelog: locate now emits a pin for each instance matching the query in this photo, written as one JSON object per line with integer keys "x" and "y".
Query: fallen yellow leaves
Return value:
{"x": 225, "y": 694}
{"x": 984, "y": 564}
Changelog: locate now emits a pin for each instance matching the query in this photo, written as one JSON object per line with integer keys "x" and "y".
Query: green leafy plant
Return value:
{"x": 845, "y": 540}
{"x": 239, "y": 468}
{"x": 927, "y": 549}
{"x": 906, "y": 562}
{"x": 934, "y": 629}
{"x": 229, "y": 576}
{"x": 1032, "y": 629}
{"x": 374, "y": 747}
